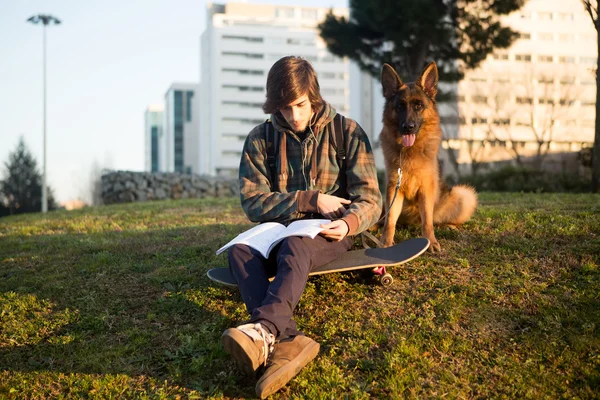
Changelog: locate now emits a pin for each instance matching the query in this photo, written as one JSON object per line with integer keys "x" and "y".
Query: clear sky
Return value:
{"x": 106, "y": 63}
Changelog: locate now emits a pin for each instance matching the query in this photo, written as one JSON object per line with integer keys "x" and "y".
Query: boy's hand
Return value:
{"x": 335, "y": 230}
{"x": 331, "y": 207}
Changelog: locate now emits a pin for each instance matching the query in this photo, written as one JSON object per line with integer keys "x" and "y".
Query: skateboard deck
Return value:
{"x": 377, "y": 259}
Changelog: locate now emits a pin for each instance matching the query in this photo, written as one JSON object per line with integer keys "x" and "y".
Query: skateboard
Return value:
{"x": 375, "y": 259}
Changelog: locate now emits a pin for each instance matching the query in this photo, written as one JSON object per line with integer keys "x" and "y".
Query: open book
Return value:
{"x": 265, "y": 236}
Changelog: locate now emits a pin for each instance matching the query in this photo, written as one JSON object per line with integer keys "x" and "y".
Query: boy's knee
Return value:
{"x": 294, "y": 246}
{"x": 238, "y": 253}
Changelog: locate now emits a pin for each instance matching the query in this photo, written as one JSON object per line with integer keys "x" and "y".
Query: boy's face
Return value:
{"x": 298, "y": 113}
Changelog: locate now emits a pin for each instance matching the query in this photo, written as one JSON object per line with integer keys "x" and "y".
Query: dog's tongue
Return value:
{"x": 408, "y": 140}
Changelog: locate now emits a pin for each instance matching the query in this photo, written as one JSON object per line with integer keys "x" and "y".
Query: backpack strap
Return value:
{"x": 272, "y": 145}
{"x": 339, "y": 137}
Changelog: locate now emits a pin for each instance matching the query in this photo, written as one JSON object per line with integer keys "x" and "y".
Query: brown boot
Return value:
{"x": 249, "y": 345}
{"x": 288, "y": 358}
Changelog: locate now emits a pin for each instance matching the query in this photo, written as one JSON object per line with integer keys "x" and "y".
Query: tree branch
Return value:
{"x": 587, "y": 4}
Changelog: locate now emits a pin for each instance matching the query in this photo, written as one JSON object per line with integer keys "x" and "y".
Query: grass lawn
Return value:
{"x": 113, "y": 302}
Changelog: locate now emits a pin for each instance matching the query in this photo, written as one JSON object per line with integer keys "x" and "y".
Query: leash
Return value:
{"x": 368, "y": 234}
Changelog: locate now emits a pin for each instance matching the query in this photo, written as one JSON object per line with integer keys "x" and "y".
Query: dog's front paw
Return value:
{"x": 388, "y": 243}
{"x": 434, "y": 246}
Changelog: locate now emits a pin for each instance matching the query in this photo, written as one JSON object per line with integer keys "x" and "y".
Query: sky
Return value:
{"x": 106, "y": 62}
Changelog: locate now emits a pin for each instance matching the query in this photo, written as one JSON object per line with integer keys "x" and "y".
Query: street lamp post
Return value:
{"x": 44, "y": 20}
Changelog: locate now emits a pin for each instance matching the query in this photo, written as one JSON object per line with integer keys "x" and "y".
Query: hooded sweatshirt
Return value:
{"x": 306, "y": 165}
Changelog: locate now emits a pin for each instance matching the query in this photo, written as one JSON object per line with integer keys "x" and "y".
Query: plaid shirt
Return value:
{"x": 306, "y": 168}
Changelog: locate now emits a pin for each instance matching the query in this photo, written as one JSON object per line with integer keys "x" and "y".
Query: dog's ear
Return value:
{"x": 390, "y": 81}
{"x": 429, "y": 79}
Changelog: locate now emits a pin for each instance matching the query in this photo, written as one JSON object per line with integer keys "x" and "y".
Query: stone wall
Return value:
{"x": 126, "y": 186}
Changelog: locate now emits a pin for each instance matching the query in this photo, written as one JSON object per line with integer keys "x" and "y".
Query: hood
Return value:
{"x": 323, "y": 117}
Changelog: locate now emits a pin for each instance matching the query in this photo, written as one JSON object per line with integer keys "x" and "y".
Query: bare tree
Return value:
{"x": 591, "y": 7}
{"x": 499, "y": 116}
{"x": 543, "y": 111}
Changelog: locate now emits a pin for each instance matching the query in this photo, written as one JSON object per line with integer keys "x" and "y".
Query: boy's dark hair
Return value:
{"x": 290, "y": 78}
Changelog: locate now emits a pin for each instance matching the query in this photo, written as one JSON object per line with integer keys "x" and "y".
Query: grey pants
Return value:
{"x": 273, "y": 303}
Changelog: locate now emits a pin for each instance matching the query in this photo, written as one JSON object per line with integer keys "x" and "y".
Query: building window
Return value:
{"x": 244, "y": 38}
{"x": 566, "y": 60}
{"x": 309, "y": 14}
{"x": 546, "y": 59}
{"x": 566, "y": 37}
{"x": 565, "y": 16}
{"x": 545, "y": 16}
{"x": 245, "y": 71}
{"x": 569, "y": 80}
{"x": 478, "y": 120}
{"x": 502, "y": 121}
{"x": 568, "y": 103}
{"x": 243, "y": 120}
{"x": 588, "y": 83}
{"x": 543, "y": 100}
{"x": 523, "y": 57}
{"x": 500, "y": 57}
{"x": 245, "y": 55}
{"x": 243, "y": 88}
{"x": 154, "y": 148}
{"x": 178, "y": 112}
{"x": 479, "y": 99}
{"x": 332, "y": 91}
{"x": 524, "y": 100}
{"x": 235, "y": 136}
{"x": 546, "y": 80}
{"x": 243, "y": 104}
{"x": 331, "y": 75}
{"x": 524, "y": 35}
{"x": 234, "y": 154}
{"x": 588, "y": 60}
{"x": 284, "y": 12}
{"x": 188, "y": 105}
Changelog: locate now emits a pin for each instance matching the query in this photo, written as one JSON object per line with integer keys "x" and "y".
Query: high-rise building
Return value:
{"x": 240, "y": 44}
{"x": 153, "y": 118}
{"x": 180, "y": 145}
{"x": 541, "y": 89}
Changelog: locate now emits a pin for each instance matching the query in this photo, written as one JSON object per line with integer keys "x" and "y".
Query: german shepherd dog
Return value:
{"x": 410, "y": 140}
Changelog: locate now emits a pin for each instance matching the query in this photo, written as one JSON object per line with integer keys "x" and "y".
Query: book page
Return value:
{"x": 260, "y": 237}
{"x": 304, "y": 227}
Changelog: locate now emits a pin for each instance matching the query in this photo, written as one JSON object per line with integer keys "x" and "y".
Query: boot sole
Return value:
{"x": 283, "y": 375}
{"x": 242, "y": 349}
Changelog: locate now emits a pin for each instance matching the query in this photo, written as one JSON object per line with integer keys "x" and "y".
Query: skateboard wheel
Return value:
{"x": 387, "y": 280}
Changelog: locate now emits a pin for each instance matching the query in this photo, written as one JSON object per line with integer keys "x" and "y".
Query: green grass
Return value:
{"x": 113, "y": 302}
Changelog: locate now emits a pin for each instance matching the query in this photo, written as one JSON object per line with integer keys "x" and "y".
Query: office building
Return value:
{"x": 179, "y": 147}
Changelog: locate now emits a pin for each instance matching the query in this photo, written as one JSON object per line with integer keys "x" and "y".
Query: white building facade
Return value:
{"x": 179, "y": 147}
{"x": 240, "y": 44}
{"x": 541, "y": 89}
{"x": 153, "y": 131}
